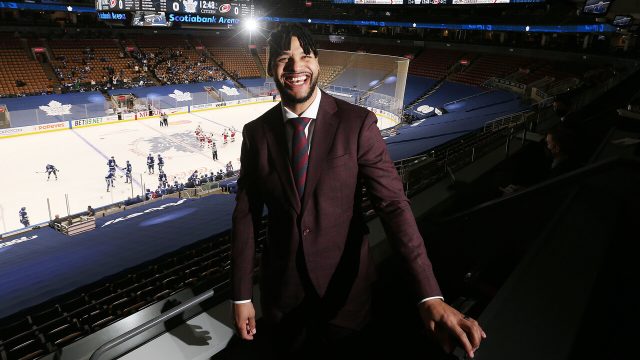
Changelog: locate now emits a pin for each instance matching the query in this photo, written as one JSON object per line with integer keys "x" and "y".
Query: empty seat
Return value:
{"x": 126, "y": 306}
{"x": 46, "y": 316}
{"x": 72, "y": 305}
{"x": 97, "y": 319}
{"x": 26, "y": 347}
{"x": 66, "y": 335}
{"x": 53, "y": 326}
{"x": 16, "y": 328}
{"x": 146, "y": 273}
{"x": 100, "y": 293}
{"x": 146, "y": 293}
{"x": 123, "y": 284}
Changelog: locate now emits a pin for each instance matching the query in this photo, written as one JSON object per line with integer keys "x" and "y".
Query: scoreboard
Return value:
{"x": 208, "y": 7}
{"x": 117, "y": 5}
{"x": 229, "y": 8}
{"x": 435, "y": 2}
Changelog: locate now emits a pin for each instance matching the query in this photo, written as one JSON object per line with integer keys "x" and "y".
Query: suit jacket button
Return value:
{"x": 306, "y": 232}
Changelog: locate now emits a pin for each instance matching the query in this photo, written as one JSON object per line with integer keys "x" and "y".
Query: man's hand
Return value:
{"x": 245, "y": 317}
{"x": 448, "y": 325}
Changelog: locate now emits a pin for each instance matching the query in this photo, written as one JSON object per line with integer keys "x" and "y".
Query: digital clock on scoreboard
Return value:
{"x": 211, "y": 7}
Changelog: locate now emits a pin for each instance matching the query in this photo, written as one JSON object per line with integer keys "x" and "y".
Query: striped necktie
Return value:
{"x": 299, "y": 152}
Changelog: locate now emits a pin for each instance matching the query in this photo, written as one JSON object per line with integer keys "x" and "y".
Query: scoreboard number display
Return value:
{"x": 210, "y": 7}
{"x": 233, "y": 8}
{"x": 117, "y": 5}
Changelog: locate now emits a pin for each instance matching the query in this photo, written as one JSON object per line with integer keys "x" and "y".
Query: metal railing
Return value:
{"x": 422, "y": 171}
{"x": 149, "y": 324}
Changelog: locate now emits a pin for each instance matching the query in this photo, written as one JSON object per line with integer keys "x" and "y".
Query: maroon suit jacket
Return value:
{"x": 346, "y": 147}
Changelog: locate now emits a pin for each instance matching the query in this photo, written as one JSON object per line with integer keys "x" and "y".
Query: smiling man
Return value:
{"x": 305, "y": 160}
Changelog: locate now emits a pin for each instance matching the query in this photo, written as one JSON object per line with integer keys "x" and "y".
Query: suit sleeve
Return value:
{"x": 246, "y": 217}
{"x": 392, "y": 206}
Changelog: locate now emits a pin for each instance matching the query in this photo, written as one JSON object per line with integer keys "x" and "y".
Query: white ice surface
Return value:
{"x": 81, "y": 156}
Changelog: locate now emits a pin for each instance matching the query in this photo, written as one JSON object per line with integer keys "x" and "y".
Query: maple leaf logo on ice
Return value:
{"x": 55, "y": 108}
{"x": 189, "y": 5}
{"x": 181, "y": 96}
{"x": 425, "y": 109}
{"x": 229, "y": 91}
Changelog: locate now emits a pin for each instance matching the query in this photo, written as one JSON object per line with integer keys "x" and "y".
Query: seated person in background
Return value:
{"x": 90, "y": 211}
{"x": 56, "y": 223}
{"x": 561, "y": 146}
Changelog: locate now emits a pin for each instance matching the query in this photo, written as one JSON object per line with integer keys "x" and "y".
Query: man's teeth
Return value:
{"x": 297, "y": 80}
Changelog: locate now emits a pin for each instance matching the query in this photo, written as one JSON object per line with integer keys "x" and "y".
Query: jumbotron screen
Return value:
{"x": 470, "y": 2}
{"x": 433, "y": 2}
{"x": 234, "y": 8}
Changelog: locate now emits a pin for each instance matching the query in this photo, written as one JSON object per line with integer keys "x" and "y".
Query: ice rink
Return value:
{"x": 81, "y": 157}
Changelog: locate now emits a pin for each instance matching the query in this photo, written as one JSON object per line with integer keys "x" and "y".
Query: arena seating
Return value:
{"x": 434, "y": 63}
{"x": 235, "y": 60}
{"x": 416, "y": 86}
{"x": 20, "y": 74}
{"x": 487, "y": 66}
{"x": 92, "y": 61}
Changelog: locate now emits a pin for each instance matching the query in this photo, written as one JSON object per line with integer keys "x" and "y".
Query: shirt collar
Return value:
{"x": 311, "y": 112}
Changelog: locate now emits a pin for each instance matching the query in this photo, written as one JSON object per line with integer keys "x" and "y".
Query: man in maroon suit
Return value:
{"x": 304, "y": 160}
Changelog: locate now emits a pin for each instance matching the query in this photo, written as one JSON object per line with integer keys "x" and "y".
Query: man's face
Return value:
{"x": 295, "y": 74}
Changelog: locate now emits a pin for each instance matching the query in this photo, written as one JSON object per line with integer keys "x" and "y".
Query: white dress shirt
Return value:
{"x": 311, "y": 113}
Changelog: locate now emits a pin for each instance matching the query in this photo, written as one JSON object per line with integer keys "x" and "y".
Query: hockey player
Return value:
{"x": 162, "y": 178}
{"x": 151, "y": 164}
{"x": 109, "y": 179}
{"x": 160, "y": 162}
{"x": 225, "y": 135}
{"x": 111, "y": 163}
{"x": 127, "y": 172}
{"x": 199, "y": 133}
{"x": 194, "y": 178}
{"x": 233, "y": 134}
{"x": 24, "y": 218}
{"x": 50, "y": 169}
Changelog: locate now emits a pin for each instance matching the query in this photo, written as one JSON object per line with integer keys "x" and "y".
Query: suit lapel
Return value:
{"x": 323, "y": 134}
{"x": 279, "y": 154}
